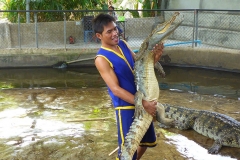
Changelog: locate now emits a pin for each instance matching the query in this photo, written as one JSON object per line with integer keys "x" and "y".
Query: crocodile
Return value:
{"x": 147, "y": 86}
{"x": 224, "y": 130}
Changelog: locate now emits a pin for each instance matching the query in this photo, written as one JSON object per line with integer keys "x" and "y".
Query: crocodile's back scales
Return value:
{"x": 218, "y": 126}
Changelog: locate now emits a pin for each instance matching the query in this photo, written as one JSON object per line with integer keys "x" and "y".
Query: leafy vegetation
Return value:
{"x": 146, "y": 5}
{"x": 56, "y": 5}
{"x": 59, "y": 5}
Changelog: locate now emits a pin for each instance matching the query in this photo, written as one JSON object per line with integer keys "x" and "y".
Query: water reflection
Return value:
{"x": 67, "y": 114}
{"x": 202, "y": 81}
{"x": 191, "y": 149}
{"x": 47, "y": 124}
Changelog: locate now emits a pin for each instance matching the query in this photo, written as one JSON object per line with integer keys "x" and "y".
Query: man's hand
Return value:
{"x": 150, "y": 107}
{"x": 158, "y": 51}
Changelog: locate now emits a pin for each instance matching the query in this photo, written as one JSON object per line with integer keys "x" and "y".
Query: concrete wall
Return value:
{"x": 140, "y": 27}
{"x": 18, "y": 58}
{"x": 204, "y": 4}
{"x": 227, "y": 60}
{"x": 5, "y": 36}
{"x": 52, "y": 33}
{"x": 214, "y": 28}
{"x": 48, "y": 33}
{"x": 183, "y": 4}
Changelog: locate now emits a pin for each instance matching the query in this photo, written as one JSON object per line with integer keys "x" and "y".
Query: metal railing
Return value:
{"x": 200, "y": 28}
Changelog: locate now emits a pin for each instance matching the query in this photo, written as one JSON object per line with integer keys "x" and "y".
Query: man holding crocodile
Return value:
{"x": 115, "y": 62}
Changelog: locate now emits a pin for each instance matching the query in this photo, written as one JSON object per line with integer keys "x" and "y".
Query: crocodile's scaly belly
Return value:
{"x": 151, "y": 83}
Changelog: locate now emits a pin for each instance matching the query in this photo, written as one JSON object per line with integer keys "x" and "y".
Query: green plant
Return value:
{"x": 57, "y": 5}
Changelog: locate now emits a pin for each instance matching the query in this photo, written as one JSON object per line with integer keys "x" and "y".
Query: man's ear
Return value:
{"x": 98, "y": 35}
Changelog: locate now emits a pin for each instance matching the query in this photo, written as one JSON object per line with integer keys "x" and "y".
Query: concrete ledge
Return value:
{"x": 174, "y": 56}
{"x": 202, "y": 58}
{"x": 18, "y": 58}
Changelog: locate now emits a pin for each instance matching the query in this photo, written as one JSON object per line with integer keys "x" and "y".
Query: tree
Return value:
{"x": 57, "y": 5}
{"x": 146, "y": 5}
{"x": 151, "y": 4}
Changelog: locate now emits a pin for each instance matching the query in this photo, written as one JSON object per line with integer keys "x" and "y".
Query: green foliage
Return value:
{"x": 135, "y": 14}
{"x": 5, "y": 86}
{"x": 147, "y": 5}
{"x": 57, "y": 5}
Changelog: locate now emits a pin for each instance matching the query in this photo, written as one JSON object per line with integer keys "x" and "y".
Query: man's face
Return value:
{"x": 110, "y": 10}
{"x": 109, "y": 36}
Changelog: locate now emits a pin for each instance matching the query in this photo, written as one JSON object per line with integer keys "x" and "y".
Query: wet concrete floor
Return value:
{"x": 39, "y": 121}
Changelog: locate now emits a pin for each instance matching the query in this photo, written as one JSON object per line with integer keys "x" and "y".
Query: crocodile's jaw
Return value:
{"x": 161, "y": 33}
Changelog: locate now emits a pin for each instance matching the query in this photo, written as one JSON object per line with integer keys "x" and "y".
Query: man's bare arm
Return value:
{"x": 157, "y": 50}
{"x": 111, "y": 80}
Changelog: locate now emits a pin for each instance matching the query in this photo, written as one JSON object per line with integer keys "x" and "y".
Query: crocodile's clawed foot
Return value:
{"x": 175, "y": 123}
{"x": 172, "y": 123}
{"x": 215, "y": 147}
{"x": 163, "y": 126}
{"x": 161, "y": 118}
{"x": 159, "y": 68}
{"x": 139, "y": 110}
{"x": 169, "y": 122}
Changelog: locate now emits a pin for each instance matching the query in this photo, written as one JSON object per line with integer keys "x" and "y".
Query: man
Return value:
{"x": 114, "y": 15}
{"x": 115, "y": 62}
{"x": 112, "y": 12}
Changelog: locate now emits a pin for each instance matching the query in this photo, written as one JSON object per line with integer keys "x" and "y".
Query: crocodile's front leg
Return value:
{"x": 139, "y": 109}
{"x": 159, "y": 67}
{"x": 217, "y": 145}
{"x": 160, "y": 116}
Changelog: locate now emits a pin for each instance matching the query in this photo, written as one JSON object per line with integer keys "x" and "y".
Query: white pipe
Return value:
{"x": 27, "y": 13}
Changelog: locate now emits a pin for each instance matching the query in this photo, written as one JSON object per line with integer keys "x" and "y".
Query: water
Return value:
{"x": 202, "y": 81}
{"x": 66, "y": 114}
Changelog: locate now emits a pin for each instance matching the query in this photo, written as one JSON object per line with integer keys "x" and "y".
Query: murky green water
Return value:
{"x": 48, "y": 114}
{"x": 217, "y": 83}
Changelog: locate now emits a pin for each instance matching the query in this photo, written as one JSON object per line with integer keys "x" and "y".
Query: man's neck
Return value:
{"x": 112, "y": 47}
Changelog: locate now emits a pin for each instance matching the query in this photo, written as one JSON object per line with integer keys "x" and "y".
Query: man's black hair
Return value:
{"x": 111, "y": 7}
{"x": 100, "y": 21}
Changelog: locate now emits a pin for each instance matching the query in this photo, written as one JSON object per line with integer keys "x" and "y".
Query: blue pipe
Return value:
{"x": 174, "y": 44}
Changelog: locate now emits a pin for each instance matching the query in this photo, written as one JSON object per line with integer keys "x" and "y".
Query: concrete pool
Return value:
{"x": 67, "y": 114}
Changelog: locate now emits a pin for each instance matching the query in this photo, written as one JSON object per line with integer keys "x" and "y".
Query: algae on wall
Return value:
{"x": 5, "y": 40}
{"x": 204, "y": 4}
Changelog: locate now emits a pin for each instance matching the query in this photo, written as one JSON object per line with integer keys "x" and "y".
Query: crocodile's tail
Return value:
{"x": 137, "y": 130}
{"x": 135, "y": 135}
